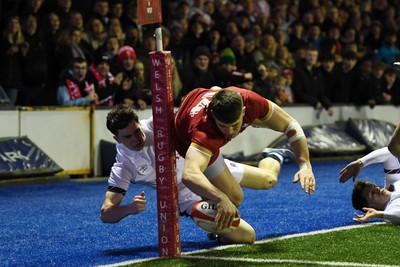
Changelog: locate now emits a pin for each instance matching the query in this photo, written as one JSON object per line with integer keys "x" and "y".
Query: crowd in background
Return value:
{"x": 94, "y": 52}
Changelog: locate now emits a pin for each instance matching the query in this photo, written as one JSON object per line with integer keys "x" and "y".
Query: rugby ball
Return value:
{"x": 203, "y": 214}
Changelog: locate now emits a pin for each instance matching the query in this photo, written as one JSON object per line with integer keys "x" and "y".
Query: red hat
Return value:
{"x": 287, "y": 72}
{"x": 126, "y": 51}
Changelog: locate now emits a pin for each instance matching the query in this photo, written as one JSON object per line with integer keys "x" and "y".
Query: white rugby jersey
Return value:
{"x": 392, "y": 210}
{"x": 138, "y": 167}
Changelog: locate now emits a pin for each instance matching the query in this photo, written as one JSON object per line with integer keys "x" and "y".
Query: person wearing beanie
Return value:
{"x": 107, "y": 84}
{"x": 128, "y": 93}
{"x": 226, "y": 73}
{"x": 199, "y": 74}
{"x": 125, "y": 52}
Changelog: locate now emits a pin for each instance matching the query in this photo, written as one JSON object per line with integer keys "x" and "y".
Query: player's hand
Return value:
{"x": 307, "y": 180}
{"x": 369, "y": 215}
{"x": 138, "y": 203}
{"x": 226, "y": 213}
{"x": 352, "y": 170}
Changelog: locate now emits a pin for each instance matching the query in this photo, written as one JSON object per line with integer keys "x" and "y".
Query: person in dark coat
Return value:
{"x": 199, "y": 74}
{"x": 308, "y": 85}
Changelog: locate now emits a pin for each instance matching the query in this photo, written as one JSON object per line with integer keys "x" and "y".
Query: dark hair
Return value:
{"x": 119, "y": 118}
{"x": 227, "y": 105}
{"x": 358, "y": 199}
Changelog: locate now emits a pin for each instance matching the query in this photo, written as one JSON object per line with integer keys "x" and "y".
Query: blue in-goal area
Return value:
{"x": 59, "y": 224}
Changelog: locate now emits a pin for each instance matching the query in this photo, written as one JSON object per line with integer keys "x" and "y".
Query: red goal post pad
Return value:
{"x": 163, "y": 122}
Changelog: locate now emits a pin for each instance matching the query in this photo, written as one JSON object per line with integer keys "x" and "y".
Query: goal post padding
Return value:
{"x": 163, "y": 121}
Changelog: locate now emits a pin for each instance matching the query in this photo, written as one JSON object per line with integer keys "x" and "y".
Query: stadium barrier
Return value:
{"x": 71, "y": 136}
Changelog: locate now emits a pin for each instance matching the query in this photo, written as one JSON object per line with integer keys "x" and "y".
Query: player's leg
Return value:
{"x": 220, "y": 176}
{"x": 266, "y": 174}
{"x": 244, "y": 234}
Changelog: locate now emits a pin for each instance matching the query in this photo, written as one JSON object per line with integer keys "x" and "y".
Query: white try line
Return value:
{"x": 187, "y": 254}
{"x": 283, "y": 261}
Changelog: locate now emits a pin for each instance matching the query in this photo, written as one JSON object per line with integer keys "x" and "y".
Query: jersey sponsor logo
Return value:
{"x": 205, "y": 100}
{"x": 143, "y": 169}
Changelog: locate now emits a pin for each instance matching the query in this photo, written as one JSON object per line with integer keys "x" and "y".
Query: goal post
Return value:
{"x": 169, "y": 244}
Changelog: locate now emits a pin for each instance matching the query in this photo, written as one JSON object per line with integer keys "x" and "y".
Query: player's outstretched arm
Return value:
{"x": 112, "y": 212}
{"x": 352, "y": 170}
{"x": 283, "y": 122}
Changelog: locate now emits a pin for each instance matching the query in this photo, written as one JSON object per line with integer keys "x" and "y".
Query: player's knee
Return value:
{"x": 237, "y": 198}
{"x": 269, "y": 180}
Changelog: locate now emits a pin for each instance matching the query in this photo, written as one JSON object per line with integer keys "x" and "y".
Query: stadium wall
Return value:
{"x": 71, "y": 136}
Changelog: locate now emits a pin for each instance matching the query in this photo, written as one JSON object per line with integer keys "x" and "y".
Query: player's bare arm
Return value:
{"x": 370, "y": 214}
{"x": 194, "y": 178}
{"x": 352, "y": 170}
{"x": 283, "y": 122}
{"x": 112, "y": 212}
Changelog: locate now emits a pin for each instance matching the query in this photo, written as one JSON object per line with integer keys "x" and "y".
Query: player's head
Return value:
{"x": 228, "y": 110}
{"x": 368, "y": 195}
{"x": 123, "y": 122}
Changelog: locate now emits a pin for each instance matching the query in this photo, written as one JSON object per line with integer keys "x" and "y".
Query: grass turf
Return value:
{"x": 375, "y": 245}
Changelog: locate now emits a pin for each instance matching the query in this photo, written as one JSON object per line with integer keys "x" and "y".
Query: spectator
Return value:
{"x": 70, "y": 46}
{"x": 283, "y": 58}
{"x": 332, "y": 44}
{"x": 128, "y": 93}
{"x": 263, "y": 83}
{"x": 34, "y": 66}
{"x": 391, "y": 92}
{"x": 225, "y": 71}
{"x": 76, "y": 20}
{"x": 244, "y": 62}
{"x": 95, "y": 34}
{"x": 374, "y": 38}
{"x": 376, "y": 84}
{"x": 359, "y": 94}
{"x": 287, "y": 74}
{"x": 107, "y": 83}
{"x": 308, "y": 85}
{"x": 111, "y": 47}
{"x": 179, "y": 47}
{"x": 133, "y": 37}
{"x": 281, "y": 97}
{"x": 347, "y": 73}
{"x": 314, "y": 36}
{"x": 51, "y": 32}
{"x": 389, "y": 52}
{"x": 329, "y": 74}
{"x": 199, "y": 74}
{"x": 114, "y": 28}
{"x": 76, "y": 89}
{"x": 100, "y": 10}
{"x": 267, "y": 48}
{"x": 12, "y": 47}
{"x": 116, "y": 9}
{"x": 296, "y": 37}
{"x": 63, "y": 10}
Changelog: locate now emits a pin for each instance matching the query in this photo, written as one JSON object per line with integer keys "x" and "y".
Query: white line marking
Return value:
{"x": 262, "y": 242}
{"x": 325, "y": 263}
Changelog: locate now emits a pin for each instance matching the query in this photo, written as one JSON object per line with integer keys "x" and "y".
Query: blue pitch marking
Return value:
{"x": 59, "y": 225}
